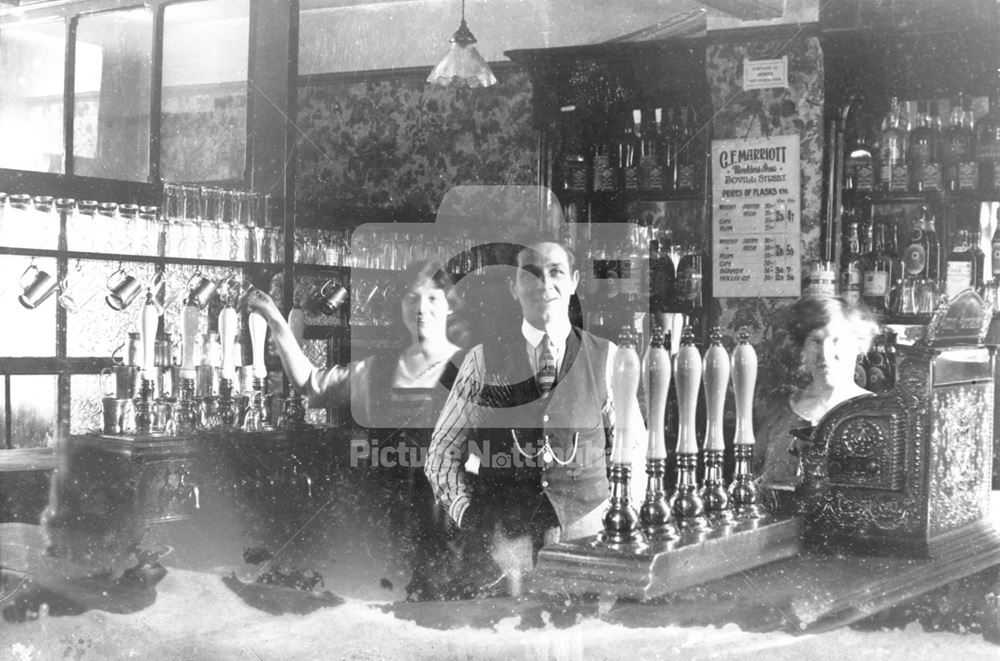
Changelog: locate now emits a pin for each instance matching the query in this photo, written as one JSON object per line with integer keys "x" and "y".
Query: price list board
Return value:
{"x": 756, "y": 215}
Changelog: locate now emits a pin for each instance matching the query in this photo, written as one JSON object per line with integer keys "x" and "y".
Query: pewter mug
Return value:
{"x": 37, "y": 286}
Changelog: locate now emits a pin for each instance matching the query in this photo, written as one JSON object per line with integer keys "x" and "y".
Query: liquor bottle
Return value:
{"x": 878, "y": 273}
{"x": 690, "y": 277}
{"x": 673, "y": 145}
{"x": 859, "y": 159}
{"x": 890, "y": 358}
{"x": 896, "y": 272}
{"x": 861, "y": 368}
{"x": 922, "y": 154}
{"x": 962, "y": 271}
{"x": 604, "y": 179}
{"x": 686, "y": 160}
{"x": 968, "y": 167}
{"x": 630, "y": 151}
{"x": 922, "y": 256}
{"x": 661, "y": 275}
{"x": 988, "y": 146}
{"x": 877, "y": 372}
{"x": 851, "y": 271}
{"x": 956, "y": 142}
{"x": 892, "y": 173}
{"x": 574, "y": 162}
{"x": 650, "y": 169}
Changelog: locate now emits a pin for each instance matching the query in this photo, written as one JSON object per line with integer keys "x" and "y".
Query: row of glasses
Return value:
{"x": 384, "y": 248}
{"x": 203, "y": 222}
{"x": 29, "y": 222}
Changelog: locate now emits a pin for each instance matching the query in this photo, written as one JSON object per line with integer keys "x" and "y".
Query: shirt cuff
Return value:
{"x": 458, "y": 508}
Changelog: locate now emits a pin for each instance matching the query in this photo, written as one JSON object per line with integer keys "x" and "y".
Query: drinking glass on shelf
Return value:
{"x": 150, "y": 227}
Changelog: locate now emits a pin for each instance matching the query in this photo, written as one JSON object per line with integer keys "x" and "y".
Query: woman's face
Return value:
{"x": 425, "y": 311}
{"x": 830, "y": 352}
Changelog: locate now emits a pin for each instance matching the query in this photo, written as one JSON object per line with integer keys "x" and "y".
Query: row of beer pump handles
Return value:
{"x": 187, "y": 412}
{"x": 689, "y": 507}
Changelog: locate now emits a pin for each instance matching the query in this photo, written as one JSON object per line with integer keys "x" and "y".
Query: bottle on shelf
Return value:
{"x": 686, "y": 159}
{"x": 630, "y": 152}
{"x": 662, "y": 279}
{"x": 650, "y": 168}
{"x": 859, "y": 159}
{"x": 921, "y": 265}
{"x": 575, "y": 177}
{"x": 851, "y": 270}
{"x": 956, "y": 144}
{"x": 892, "y": 149}
{"x": 923, "y": 161}
{"x": 964, "y": 270}
{"x": 880, "y": 272}
{"x": 690, "y": 277}
{"x": 604, "y": 175}
{"x": 896, "y": 272}
{"x": 968, "y": 167}
{"x": 988, "y": 146}
{"x": 878, "y": 377}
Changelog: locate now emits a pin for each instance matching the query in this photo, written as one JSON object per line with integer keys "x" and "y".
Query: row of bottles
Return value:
{"x": 651, "y": 151}
{"x": 904, "y": 270}
{"x": 924, "y": 150}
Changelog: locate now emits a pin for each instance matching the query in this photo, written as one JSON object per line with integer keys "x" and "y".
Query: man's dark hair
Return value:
{"x": 529, "y": 239}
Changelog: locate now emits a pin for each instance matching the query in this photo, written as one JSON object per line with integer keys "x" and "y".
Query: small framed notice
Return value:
{"x": 765, "y": 74}
{"x": 756, "y": 216}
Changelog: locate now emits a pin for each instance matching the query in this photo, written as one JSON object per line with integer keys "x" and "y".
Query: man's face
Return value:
{"x": 544, "y": 283}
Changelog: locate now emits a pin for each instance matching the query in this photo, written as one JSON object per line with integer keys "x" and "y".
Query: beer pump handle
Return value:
{"x": 258, "y": 336}
{"x": 191, "y": 319}
{"x": 297, "y": 322}
{"x": 624, "y": 387}
{"x": 687, "y": 376}
{"x": 148, "y": 321}
{"x": 716, "y": 378}
{"x": 657, "y": 380}
{"x": 227, "y": 335}
{"x": 744, "y": 382}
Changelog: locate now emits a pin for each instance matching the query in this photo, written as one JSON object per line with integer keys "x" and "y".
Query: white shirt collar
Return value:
{"x": 558, "y": 332}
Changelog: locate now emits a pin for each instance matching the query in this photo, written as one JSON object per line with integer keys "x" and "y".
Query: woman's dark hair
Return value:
{"x": 812, "y": 312}
{"x": 434, "y": 273}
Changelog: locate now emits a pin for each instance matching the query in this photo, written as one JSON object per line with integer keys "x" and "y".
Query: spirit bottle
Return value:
{"x": 604, "y": 175}
{"x": 859, "y": 160}
{"x": 630, "y": 152}
{"x": 689, "y": 279}
{"x": 892, "y": 150}
{"x": 988, "y": 146}
{"x": 574, "y": 163}
{"x": 924, "y": 168}
{"x": 851, "y": 268}
{"x": 962, "y": 272}
{"x": 685, "y": 157}
{"x": 956, "y": 142}
{"x": 880, "y": 273}
{"x": 968, "y": 167}
{"x": 650, "y": 170}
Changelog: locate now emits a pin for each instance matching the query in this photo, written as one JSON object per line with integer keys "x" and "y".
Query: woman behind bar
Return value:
{"x": 828, "y": 337}
{"x": 397, "y": 396}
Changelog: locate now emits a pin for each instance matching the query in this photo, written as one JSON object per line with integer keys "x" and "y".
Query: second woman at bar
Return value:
{"x": 397, "y": 396}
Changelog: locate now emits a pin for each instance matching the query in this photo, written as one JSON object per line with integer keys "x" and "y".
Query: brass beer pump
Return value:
{"x": 743, "y": 489}
{"x": 227, "y": 333}
{"x": 620, "y": 521}
{"x": 654, "y": 515}
{"x": 688, "y": 506}
{"x": 715, "y": 376}
{"x": 147, "y": 389}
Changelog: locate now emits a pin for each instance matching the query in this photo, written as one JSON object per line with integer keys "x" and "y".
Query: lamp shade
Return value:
{"x": 462, "y": 65}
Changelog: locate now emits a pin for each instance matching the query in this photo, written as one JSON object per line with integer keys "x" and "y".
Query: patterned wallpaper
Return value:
{"x": 203, "y": 135}
{"x": 797, "y": 110}
{"x": 397, "y": 143}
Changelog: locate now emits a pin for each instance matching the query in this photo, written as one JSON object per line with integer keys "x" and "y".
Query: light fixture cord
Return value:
{"x": 463, "y": 11}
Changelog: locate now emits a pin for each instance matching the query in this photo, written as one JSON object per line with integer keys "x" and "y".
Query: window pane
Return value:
{"x": 31, "y": 95}
{"x": 32, "y": 331}
{"x": 204, "y": 106}
{"x": 111, "y": 96}
{"x": 85, "y": 408}
{"x": 33, "y": 410}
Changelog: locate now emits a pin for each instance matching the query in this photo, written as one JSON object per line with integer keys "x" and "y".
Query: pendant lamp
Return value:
{"x": 462, "y": 65}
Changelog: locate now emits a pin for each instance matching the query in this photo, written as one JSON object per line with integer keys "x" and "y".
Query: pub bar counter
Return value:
{"x": 165, "y": 491}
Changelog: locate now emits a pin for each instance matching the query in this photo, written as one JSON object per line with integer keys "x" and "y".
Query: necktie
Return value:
{"x": 546, "y": 368}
